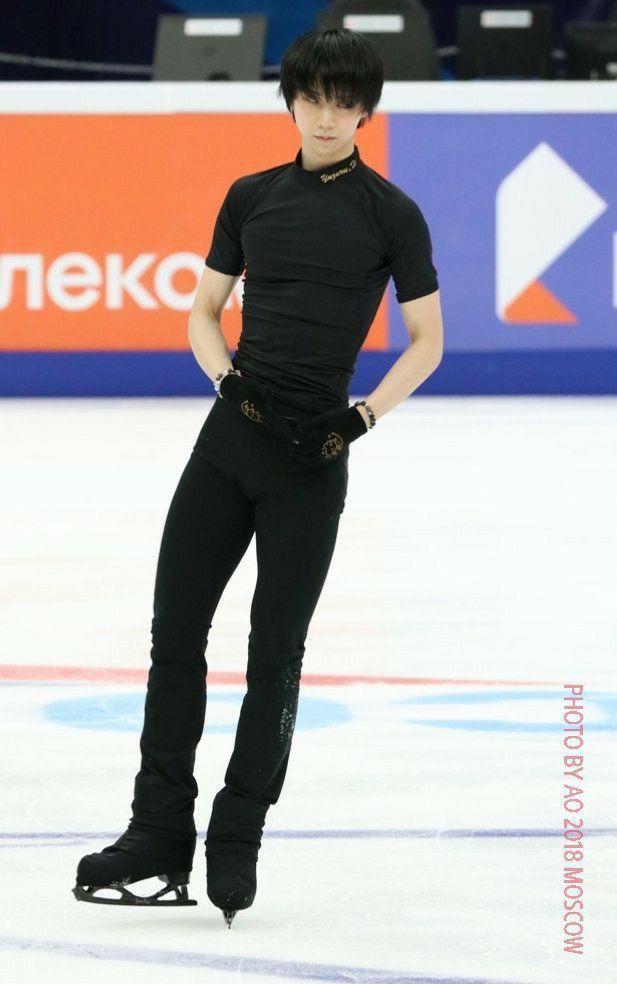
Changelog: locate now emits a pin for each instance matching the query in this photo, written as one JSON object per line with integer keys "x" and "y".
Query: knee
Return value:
{"x": 179, "y": 636}
{"x": 275, "y": 671}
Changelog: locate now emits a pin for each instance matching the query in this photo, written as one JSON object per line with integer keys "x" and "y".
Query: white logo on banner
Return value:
{"x": 542, "y": 207}
{"x": 77, "y": 281}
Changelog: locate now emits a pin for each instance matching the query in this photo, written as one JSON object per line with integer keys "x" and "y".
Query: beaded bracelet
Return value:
{"x": 369, "y": 410}
{"x": 219, "y": 376}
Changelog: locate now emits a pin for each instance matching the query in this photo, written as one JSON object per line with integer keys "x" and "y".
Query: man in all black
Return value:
{"x": 319, "y": 249}
{"x": 319, "y": 238}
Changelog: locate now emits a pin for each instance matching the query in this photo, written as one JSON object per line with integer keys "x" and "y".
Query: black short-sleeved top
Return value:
{"x": 319, "y": 248}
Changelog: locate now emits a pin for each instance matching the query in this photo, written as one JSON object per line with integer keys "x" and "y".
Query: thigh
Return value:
{"x": 208, "y": 528}
{"x": 296, "y": 527}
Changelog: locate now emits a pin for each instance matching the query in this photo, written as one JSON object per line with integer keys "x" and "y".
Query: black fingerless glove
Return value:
{"x": 251, "y": 398}
{"x": 322, "y": 438}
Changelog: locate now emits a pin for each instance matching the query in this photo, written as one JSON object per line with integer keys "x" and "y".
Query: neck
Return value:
{"x": 314, "y": 156}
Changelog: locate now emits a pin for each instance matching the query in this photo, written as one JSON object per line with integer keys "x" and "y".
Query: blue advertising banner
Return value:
{"x": 522, "y": 212}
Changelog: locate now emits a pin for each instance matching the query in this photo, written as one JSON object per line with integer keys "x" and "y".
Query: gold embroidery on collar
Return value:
{"x": 336, "y": 174}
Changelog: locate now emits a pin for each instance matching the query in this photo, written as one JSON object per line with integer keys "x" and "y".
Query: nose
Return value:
{"x": 325, "y": 118}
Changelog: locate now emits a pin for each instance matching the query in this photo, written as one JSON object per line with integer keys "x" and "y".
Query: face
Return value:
{"x": 317, "y": 118}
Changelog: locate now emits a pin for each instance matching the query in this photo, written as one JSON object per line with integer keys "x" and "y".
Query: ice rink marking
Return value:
{"x": 244, "y": 964}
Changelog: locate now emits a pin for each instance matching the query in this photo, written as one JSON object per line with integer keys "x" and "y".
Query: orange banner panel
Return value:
{"x": 107, "y": 220}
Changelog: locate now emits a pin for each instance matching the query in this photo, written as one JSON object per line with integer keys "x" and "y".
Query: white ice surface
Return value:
{"x": 478, "y": 543}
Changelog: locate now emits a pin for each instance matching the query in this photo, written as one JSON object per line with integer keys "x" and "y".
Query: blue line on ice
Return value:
{"x": 244, "y": 964}
{"x": 12, "y": 838}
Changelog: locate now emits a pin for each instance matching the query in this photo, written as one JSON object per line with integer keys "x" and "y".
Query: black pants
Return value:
{"x": 236, "y": 483}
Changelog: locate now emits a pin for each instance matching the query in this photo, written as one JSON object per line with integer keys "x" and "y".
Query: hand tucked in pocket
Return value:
{"x": 322, "y": 438}
{"x": 251, "y": 398}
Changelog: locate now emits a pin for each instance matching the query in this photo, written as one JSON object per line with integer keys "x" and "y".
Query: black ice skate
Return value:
{"x": 232, "y": 881}
{"x": 134, "y": 856}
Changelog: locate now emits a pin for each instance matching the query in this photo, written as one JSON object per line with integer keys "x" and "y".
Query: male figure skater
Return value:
{"x": 320, "y": 238}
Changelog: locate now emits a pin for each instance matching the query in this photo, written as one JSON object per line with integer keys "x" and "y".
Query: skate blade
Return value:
{"x": 87, "y": 894}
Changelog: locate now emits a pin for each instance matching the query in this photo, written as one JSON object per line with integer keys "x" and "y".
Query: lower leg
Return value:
{"x": 257, "y": 768}
{"x": 207, "y": 531}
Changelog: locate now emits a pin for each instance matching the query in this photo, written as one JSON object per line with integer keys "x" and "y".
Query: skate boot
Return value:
{"x": 137, "y": 855}
{"x": 232, "y": 880}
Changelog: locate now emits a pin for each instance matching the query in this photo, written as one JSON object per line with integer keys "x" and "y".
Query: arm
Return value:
{"x": 205, "y": 336}
{"x": 423, "y": 321}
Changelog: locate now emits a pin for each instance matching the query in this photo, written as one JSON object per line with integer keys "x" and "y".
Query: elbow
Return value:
{"x": 204, "y": 316}
{"x": 433, "y": 348}
{"x": 193, "y": 322}
{"x": 436, "y": 347}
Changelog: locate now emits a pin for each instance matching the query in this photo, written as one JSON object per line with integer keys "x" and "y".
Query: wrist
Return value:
{"x": 366, "y": 413}
{"x": 364, "y": 416}
{"x": 220, "y": 376}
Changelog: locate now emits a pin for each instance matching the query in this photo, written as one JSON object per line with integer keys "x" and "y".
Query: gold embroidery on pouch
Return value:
{"x": 251, "y": 411}
{"x": 336, "y": 174}
{"x": 332, "y": 446}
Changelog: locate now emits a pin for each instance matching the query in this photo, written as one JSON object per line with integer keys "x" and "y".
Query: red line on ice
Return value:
{"x": 112, "y": 674}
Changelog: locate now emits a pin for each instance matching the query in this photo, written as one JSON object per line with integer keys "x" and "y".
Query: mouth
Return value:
{"x": 325, "y": 139}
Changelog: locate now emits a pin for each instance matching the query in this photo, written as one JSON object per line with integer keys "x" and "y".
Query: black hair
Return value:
{"x": 339, "y": 63}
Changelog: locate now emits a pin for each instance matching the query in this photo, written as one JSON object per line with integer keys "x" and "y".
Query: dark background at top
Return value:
{"x": 123, "y": 32}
